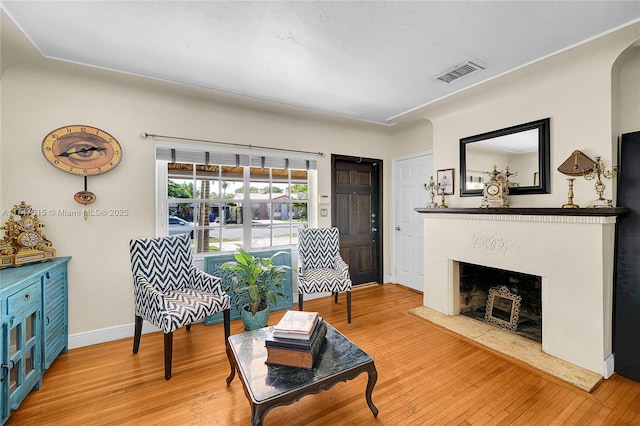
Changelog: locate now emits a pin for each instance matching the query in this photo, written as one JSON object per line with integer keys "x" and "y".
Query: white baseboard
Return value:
{"x": 103, "y": 335}
{"x": 389, "y": 279}
{"x": 609, "y": 366}
{"x": 125, "y": 331}
{"x": 311, "y": 296}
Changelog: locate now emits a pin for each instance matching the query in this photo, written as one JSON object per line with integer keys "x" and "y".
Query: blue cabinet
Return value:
{"x": 24, "y": 308}
{"x": 212, "y": 265}
{"x": 33, "y": 327}
{"x": 4, "y": 369}
{"x": 54, "y": 318}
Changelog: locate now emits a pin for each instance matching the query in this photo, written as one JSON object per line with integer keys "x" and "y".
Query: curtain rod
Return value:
{"x": 146, "y": 135}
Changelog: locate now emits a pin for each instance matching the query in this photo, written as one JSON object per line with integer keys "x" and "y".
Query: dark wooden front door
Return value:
{"x": 357, "y": 214}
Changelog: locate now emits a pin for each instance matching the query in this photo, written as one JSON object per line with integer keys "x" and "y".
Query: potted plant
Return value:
{"x": 257, "y": 282}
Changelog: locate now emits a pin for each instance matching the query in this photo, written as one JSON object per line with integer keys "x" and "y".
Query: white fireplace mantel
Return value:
{"x": 571, "y": 249}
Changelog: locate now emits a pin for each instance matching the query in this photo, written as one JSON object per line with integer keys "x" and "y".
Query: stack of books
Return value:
{"x": 296, "y": 339}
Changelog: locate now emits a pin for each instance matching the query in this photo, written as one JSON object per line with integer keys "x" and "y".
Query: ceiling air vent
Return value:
{"x": 459, "y": 71}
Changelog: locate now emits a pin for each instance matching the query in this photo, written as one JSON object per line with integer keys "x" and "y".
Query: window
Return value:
{"x": 254, "y": 202}
{"x": 279, "y": 200}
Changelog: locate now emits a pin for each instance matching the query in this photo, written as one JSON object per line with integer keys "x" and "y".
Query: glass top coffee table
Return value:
{"x": 269, "y": 385}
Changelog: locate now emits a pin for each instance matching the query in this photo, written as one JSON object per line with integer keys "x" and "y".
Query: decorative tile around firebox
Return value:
{"x": 512, "y": 345}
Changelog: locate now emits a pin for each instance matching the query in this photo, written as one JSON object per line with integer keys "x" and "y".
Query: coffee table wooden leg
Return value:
{"x": 232, "y": 363}
{"x": 257, "y": 415}
{"x": 373, "y": 378}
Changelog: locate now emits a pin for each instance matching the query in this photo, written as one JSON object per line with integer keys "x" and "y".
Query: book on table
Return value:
{"x": 296, "y": 352}
{"x": 319, "y": 332}
{"x": 296, "y": 325}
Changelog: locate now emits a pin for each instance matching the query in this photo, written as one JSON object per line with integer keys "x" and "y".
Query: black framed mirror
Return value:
{"x": 523, "y": 150}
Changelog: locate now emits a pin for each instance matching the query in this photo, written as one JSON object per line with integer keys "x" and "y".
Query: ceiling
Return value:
{"x": 367, "y": 60}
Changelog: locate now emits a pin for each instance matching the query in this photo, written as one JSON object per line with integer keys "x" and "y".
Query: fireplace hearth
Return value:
{"x": 477, "y": 280}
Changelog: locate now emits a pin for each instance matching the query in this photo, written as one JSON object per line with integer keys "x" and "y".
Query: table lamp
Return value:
{"x": 577, "y": 164}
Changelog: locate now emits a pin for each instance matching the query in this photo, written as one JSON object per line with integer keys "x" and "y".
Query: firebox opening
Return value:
{"x": 475, "y": 283}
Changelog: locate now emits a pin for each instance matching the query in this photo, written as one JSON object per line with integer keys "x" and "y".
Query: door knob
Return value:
{"x": 6, "y": 369}
{"x": 397, "y": 228}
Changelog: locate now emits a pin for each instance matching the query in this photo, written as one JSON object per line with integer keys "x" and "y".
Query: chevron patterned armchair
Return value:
{"x": 320, "y": 266}
{"x": 170, "y": 292}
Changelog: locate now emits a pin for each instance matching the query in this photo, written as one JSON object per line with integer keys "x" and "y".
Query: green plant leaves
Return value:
{"x": 257, "y": 281}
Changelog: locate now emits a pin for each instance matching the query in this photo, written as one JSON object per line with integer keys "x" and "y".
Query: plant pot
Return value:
{"x": 253, "y": 322}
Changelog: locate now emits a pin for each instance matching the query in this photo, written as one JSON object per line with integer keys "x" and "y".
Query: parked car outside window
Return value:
{"x": 178, "y": 226}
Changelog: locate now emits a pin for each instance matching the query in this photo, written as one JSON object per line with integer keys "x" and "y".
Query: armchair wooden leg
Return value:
{"x": 188, "y": 327}
{"x": 168, "y": 353}
{"x": 349, "y": 307}
{"x": 226, "y": 314}
{"x": 335, "y": 297}
{"x": 300, "y": 301}
{"x": 137, "y": 332}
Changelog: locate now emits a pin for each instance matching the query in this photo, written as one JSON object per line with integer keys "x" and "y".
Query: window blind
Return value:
{"x": 176, "y": 153}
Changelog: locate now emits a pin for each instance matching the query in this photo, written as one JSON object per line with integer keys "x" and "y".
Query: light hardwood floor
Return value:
{"x": 426, "y": 375}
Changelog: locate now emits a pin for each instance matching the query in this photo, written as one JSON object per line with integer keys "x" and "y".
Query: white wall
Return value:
{"x": 411, "y": 137}
{"x": 628, "y": 92}
{"x": 40, "y": 95}
{"x": 573, "y": 88}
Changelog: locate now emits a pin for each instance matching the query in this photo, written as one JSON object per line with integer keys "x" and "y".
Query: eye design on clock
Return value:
{"x": 82, "y": 150}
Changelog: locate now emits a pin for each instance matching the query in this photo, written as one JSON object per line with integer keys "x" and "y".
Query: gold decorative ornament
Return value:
{"x": 496, "y": 191}
{"x": 508, "y": 173}
{"x": 570, "y": 204}
{"x": 442, "y": 192}
{"x": 84, "y": 151}
{"x": 599, "y": 171}
{"x": 431, "y": 188}
{"x": 503, "y": 308}
{"x": 23, "y": 240}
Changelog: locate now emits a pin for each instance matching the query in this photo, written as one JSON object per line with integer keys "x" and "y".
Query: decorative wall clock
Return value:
{"x": 495, "y": 192}
{"x": 23, "y": 240}
{"x": 84, "y": 151}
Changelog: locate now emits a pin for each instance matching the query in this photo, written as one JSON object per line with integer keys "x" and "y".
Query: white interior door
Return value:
{"x": 410, "y": 175}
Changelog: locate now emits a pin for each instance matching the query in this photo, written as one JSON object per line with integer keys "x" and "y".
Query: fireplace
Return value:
{"x": 569, "y": 253}
{"x": 476, "y": 283}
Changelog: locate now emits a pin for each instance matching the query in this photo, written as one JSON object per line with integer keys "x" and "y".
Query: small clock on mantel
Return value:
{"x": 24, "y": 241}
{"x": 84, "y": 151}
{"x": 496, "y": 191}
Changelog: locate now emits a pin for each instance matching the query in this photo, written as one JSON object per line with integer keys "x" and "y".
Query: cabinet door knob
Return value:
{"x": 5, "y": 369}
{"x": 27, "y": 296}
